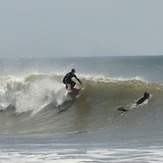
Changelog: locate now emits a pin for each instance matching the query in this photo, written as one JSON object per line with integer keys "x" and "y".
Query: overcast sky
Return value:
{"x": 40, "y": 28}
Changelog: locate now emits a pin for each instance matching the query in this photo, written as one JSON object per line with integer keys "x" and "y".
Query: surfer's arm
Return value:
{"x": 78, "y": 79}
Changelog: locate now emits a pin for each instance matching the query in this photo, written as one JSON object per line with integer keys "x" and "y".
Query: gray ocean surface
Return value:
{"x": 40, "y": 122}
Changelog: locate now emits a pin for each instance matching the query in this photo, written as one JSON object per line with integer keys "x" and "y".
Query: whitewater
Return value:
{"x": 40, "y": 122}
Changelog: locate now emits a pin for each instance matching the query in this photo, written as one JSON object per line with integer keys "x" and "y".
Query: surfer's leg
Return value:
{"x": 122, "y": 109}
{"x": 72, "y": 84}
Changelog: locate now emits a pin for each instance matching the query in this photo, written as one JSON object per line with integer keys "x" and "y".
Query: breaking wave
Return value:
{"x": 28, "y": 102}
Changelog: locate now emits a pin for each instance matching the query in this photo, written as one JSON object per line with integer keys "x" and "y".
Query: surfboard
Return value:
{"x": 74, "y": 91}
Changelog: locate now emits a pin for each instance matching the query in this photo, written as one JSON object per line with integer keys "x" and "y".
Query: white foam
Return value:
{"x": 150, "y": 154}
{"x": 103, "y": 78}
{"x": 31, "y": 93}
{"x": 40, "y": 93}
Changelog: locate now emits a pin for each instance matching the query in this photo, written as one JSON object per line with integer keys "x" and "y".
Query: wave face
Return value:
{"x": 33, "y": 99}
{"x": 39, "y": 103}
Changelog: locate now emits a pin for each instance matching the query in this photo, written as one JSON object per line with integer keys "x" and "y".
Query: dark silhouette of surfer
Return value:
{"x": 140, "y": 101}
{"x": 145, "y": 97}
{"x": 68, "y": 79}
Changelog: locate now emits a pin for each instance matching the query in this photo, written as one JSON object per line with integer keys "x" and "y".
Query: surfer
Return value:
{"x": 140, "y": 101}
{"x": 145, "y": 97}
{"x": 68, "y": 79}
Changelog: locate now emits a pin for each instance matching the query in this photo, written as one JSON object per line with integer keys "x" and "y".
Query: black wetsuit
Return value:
{"x": 140, "y": 101}
{"x": 145, "y": 97}
{"x": 68, "y": 79}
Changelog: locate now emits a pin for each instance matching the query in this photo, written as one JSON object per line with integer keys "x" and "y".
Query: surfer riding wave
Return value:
{"x": 68, "y": 79}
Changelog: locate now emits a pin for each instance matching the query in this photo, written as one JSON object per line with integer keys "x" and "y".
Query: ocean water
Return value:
{"x": 40, "y": 122}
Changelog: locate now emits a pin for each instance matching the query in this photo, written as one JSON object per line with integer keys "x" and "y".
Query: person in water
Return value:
{"x": 145, "y": 97}
{"x": 140, "y": 101}
{"x": 68, "y": 79}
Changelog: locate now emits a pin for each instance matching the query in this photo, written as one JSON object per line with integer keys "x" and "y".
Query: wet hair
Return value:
{"x": 146, "y": 95}
{"x": 72, "y": 70}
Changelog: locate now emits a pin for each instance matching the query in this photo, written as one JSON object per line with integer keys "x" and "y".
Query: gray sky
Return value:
{"x": 39, "y": 28}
